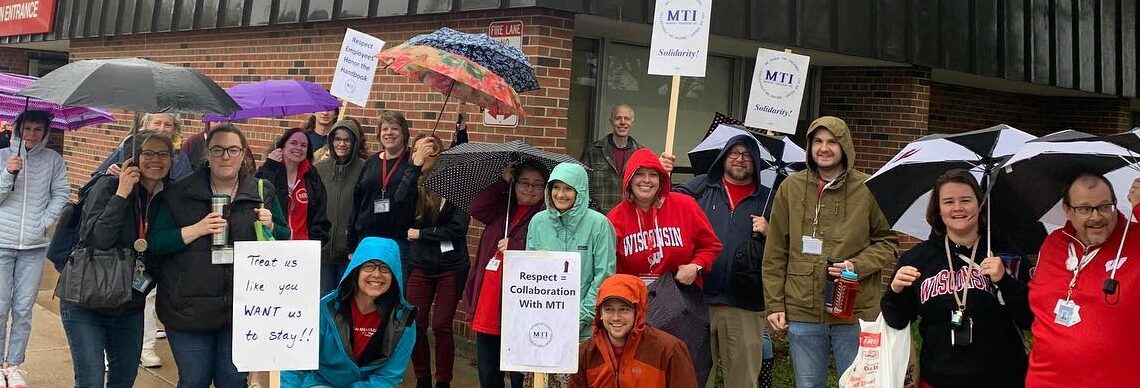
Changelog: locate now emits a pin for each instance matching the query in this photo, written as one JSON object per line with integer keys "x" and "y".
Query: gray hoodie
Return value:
{"x": 339, "y": 177}
{"x": 31, "y": 200}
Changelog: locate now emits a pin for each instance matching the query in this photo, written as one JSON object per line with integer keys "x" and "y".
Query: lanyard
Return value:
{"x": 960, "y": 300}
{"x": 656, "y": 235}
{"x": 386, "y": 174}
{"x": 819, "y": 205}
{"x": 1072, "y": 265}
{"x": 141, "y": 212}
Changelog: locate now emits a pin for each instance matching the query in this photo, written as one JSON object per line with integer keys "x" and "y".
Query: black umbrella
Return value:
{"x": 463, "y": 171}
{"x": 680, "y": 310}
{"x": 132, "y": 84}
{"x": 902, "y": 187}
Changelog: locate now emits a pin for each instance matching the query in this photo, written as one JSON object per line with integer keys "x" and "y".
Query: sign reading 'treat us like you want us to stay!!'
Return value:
{"x": 276, "y": 305}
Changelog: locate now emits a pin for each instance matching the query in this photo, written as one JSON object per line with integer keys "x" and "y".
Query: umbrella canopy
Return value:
{"x": 781, "y": 157}
{"x": 1041, "y": 171}
{"x": 505, "y": 61}
{"x": 277, "y": 98}
{"x": 132, "y": 84}
{"x": 64, "y": 118}
{"x": 454, "y": 76}
{"x": 902, "y": 187}
{"x": 680, "y": 310}
{"x": 1129, "y": 140}
{"x": 461, "y": 172}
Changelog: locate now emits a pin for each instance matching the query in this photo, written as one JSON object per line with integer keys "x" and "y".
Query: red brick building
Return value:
{"x": 895, "y": 70}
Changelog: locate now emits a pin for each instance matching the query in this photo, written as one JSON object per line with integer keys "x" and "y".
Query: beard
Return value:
{"x": 739, "y": 174}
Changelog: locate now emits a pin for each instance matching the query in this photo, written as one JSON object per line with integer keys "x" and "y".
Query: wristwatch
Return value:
{"x": 699, "y": 268}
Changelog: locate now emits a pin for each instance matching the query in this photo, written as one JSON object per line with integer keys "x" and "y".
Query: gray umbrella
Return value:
{"x": 132, "y": 84}
{"x": 680, "y": 310}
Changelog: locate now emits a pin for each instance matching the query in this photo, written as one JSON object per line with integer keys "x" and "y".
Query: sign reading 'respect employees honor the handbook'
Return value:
{"x": 680, "y": 38}
{"x": 356, "y": 68}
{"x": 541, "y": 302}
{"x": 777, "y": 91}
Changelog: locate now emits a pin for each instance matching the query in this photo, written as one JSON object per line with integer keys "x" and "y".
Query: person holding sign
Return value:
{"x": 569, "y": 225}
{"x": 339, "y": 173}
{"x": 438, "y": 269}
{"x": 366, "y": 324}
{"x": 507, "y": 223}
{"x": 195, "y": 278}
{"x": 317, "y": 128}
{"x": 971, "y": 327}
{"x": 822, "y": 213}
{"x": 116, "y": 212}
{"x": 625, "y": 351}
{"x": 290, "y": 168}
{"x": 384, "y": 198}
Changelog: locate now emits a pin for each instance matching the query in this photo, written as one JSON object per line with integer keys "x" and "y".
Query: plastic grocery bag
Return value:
{"x": 882, "y": 359}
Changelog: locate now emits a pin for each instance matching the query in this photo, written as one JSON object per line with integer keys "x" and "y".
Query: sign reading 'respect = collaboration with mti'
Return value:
{"x": 276, "y": 305}
{"x": 356, "y": 68}
{"x": 541, "y": 303}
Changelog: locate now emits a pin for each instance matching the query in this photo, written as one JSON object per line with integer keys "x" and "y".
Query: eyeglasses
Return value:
{"x": 373, "y": 267}
{"x": 740, "y": 155}
{"x": 154, "y": 155}
{"x": 1086, "y": 211}
{"x": 532, "y": 186}
{"x": 233, "y": 152}
{"x": 341, "y": 141}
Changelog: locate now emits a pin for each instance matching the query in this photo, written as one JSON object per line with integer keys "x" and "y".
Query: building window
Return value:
{"x": 583, "y": 94}
{"x": 626, "y": 80}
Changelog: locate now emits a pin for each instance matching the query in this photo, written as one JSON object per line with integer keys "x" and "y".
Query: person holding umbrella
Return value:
{"x": 115, "y": 216}
{"x": 195, "y": 284}
{"x": 384, "y": 198}
{"x": 506, "y": 208}
{"x": 33, "y": 191}
{"x": 972, "y": 310}
{"x": 625, "y": 351}
{"x": 663, "y": 232}
{"x": 1084, "y": 327}
{"x": 339, "y": 173}
{"x": 438, "y": 266}
{"x": 164, "y": 122}
{"x": 568, "y": 224}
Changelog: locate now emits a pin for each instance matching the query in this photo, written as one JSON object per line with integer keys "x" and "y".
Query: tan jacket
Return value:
{"x": 851, "y": 226}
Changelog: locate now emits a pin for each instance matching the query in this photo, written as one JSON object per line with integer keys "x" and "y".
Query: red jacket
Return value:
{"x": 672, "y": 233}
{"x": 652, "y": 358}
{"x": 1097, "y": 351}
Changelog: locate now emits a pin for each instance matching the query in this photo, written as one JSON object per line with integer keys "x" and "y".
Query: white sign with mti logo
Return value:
{"x": 680, "y": 38}
{"x": 777, "y": 90}
{"x": 541, "y": 302}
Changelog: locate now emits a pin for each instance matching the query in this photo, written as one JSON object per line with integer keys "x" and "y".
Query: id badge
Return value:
{"x": 381, "y": 206}
{"x": 1067, "y": 313}
{"x": 963, "y": 334}
{"x": 647, "y": 279}
{"x": 446, "y": 246}
{"x": 493, "y": 265}
{"x": 223, "y": 256}
{"x": 812, "y": 245}
{"x": 956, "y": 318}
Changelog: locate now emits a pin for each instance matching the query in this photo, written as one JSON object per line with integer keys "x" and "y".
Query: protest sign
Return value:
{"x": 541, "y": 302}
{"x": 356, "y": 68}
{"x": 680, "y": 37}
{"x": 777, "y": 90}
{"x": 276, "y": 305}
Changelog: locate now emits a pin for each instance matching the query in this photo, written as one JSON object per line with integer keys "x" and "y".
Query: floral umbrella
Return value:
{"x": 454, "y": 76}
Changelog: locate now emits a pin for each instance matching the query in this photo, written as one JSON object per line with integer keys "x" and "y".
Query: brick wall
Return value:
{"x": 14, "y": 60}
{"x": 956, "y": 109}
{"x": 309, "y": 51}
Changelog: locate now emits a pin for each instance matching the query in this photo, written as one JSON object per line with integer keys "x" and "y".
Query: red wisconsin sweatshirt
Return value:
{"x": 672, "y": 233}
{"x": 1097, "y": 351}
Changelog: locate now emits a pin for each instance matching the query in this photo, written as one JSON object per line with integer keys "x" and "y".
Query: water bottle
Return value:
{"x": 829, "y": 285}
{"x": 217, "y": 205}
{"x": 846, "y": 288}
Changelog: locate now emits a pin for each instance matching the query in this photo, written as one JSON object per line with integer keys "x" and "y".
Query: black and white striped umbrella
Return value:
{"x": 463, "y": 171}
{"x": 1041, "y": 171}
{"x": 903, "y": 186}
{"x": 781, "y": 156}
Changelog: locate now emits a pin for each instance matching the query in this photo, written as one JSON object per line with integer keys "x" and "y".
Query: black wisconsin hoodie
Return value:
{"x": 996, "y": 357}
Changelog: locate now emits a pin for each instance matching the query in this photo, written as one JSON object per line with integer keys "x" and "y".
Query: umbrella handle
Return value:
{"x": 442, "y": 108}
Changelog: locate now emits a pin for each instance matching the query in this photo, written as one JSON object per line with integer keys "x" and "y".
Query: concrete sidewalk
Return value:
{"x": 48, "y": 359}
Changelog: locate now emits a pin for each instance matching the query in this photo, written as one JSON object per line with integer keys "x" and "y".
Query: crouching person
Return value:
{"x": 367, "y": 325}
{"x": 642, "y": 356}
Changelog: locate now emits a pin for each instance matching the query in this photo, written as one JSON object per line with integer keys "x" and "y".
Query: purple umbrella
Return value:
{"x": 277, "y": 98}
{"x": 66, "y": 118}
